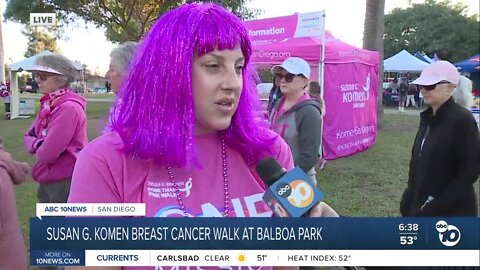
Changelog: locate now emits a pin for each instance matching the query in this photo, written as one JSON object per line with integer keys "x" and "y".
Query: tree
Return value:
{"x": 2, "y": 54}
{"x": 372, "y": 40}
{"x": 432, "y": 27}
{"x": 123, "y": 20}
{"x": 39, "y": 41}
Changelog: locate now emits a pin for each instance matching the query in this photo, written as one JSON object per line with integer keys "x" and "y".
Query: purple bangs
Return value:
{"x": 154, "y": 112}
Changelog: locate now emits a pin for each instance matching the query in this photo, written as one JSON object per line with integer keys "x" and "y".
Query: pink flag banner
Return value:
{"x": 350, "y": 125}
{"x": 280, "y": 28}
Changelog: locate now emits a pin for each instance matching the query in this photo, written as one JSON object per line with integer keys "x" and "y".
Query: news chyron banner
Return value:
{"x": 80, "y": 239}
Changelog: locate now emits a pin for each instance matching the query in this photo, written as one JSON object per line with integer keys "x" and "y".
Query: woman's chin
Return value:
{"x": 216, "y": 126}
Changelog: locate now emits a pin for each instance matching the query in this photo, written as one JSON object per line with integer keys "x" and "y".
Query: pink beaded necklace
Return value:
{"x": 225, "y": 183}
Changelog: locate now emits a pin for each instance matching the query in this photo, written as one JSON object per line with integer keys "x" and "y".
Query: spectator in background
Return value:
{"x": 108, "y": 86}
{"x": 412, "y": 91}
{"x": 420, "y": 99}
{"x": 60, "y": 131}
{"x": 445, "y": 160}
{"x": 275, "y": 93}
{"x": 120, "y": 60}
{"x": 463, "y": 93}
{"x": 402, "y": 94}
{"x": 394, "y": 86}
{"x": 13, "y": 253}
{"x": 5, "y": 94}
{"x": 315, "y": 92}
{"x": 297, "y": 117}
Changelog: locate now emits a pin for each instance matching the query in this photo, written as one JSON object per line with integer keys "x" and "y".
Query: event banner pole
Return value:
{"x": 322, "y": 75}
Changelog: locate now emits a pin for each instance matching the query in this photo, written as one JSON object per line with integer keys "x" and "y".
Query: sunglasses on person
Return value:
{"x": 42, "y": 75}
{"x": 288, "y": 77}
{"x": 432, "y": 87}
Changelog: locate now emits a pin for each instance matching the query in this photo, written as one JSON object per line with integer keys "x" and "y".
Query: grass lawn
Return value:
{"x": 368, "y": 184}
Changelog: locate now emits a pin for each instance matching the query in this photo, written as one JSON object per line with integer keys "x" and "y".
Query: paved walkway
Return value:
{"x": 391, "y": 110}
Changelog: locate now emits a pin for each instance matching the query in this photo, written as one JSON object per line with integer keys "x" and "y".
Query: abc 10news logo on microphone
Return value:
{"x": 293, "y": 194}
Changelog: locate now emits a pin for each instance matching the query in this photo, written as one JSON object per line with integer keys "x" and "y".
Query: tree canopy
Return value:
{"x": 123, "y": 20}
{"x": 39, "y": 41}
{"x": 433, "y": 28}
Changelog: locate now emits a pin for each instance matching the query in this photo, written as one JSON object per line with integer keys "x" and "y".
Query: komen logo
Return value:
{"x": 449, "y": 235}
{"x": 266, "y": 32}
{"x": 366, "y": 87}
{"x": 353, "y": 92}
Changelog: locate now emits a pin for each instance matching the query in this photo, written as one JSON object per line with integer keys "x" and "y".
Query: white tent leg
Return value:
{"x": 15, "y": 100}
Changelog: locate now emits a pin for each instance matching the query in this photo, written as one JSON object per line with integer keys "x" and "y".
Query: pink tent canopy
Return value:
{"x": 309, "y": 48}
{"x": 350, "y": 83}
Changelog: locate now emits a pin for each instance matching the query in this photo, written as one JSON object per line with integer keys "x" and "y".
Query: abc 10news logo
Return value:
{"x": 449, "y": 235}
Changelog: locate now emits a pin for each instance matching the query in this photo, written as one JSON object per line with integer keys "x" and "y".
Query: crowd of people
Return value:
{"x": 191, "y": 126}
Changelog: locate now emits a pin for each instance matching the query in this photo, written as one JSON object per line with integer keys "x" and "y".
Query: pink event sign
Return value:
{"x": 280, "y": 28}
{"x": 350, "y": 125}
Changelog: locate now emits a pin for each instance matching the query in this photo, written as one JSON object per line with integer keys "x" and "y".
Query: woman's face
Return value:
{"x": 114, "y": 76}
{"x": 48, "y": 82}
{"x": 289, "y": 87}
{"x": 217, "y": 85}
{"x": 436, "y": 97}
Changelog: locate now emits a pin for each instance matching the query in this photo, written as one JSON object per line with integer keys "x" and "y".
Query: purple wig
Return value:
{"x": 155, "y": 112}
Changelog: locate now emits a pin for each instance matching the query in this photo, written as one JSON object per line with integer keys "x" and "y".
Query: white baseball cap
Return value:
{"x": 44, "y": 69}
{"x": 437, "y": 72}
{"x": 295, "y": 66}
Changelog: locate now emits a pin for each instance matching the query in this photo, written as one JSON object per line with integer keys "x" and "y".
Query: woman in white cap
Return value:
{"x": 445, "y": 160}
{"x": 60, "y": 130}
{"x": 297, "y": 117}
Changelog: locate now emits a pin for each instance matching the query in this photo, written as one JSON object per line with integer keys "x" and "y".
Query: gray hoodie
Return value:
{"x": 301, "y": 128}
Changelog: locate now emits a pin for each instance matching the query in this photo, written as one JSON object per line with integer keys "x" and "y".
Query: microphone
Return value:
{"x": 289, "y": 194}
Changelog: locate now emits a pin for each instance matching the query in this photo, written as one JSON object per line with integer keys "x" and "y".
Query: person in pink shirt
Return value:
{"x": 60, "y": 130}
{"x": 13, "y": 253}
{"x": 185, "y": 140}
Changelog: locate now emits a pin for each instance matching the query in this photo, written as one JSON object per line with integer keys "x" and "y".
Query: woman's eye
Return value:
{"x": 239, "y": 69}
{"x": 212, "y": 66}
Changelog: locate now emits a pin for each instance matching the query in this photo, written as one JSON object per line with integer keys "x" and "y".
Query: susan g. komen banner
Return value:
{"x": 350, "y": 125}
{"x": 285, "y": 27}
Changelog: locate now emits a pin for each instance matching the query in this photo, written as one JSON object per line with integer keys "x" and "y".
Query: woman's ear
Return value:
{"x": 305, "y": 82}
{"x": 451, "y": 89}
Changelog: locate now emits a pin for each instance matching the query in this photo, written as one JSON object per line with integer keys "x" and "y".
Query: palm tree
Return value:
{"x": 373, "y": 40}
{"x": 2, "y": 60}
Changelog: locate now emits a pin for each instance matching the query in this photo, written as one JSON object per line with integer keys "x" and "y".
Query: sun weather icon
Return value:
{"x": 241, "y": 258}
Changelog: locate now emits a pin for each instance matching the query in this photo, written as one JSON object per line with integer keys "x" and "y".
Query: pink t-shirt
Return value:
{"x": 116, "y": 177}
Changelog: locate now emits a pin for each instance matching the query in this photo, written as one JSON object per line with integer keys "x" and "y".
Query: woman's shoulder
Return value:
{"x": 107, "y": 145}
{"x": 460, "y": 114}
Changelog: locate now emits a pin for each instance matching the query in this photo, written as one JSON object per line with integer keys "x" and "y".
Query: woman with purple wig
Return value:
{"x": 185, "y": 140}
